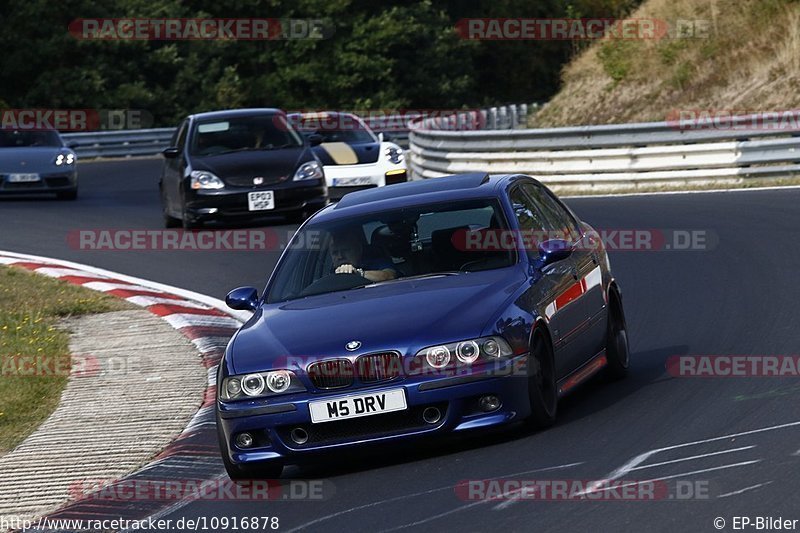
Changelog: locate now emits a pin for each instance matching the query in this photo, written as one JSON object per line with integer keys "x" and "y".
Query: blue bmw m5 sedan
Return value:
{"x": 428, "y": 308}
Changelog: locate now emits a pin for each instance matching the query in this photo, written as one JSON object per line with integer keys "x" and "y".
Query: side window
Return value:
{"x": 559, "y": 220}
{"x": 529, "y": 218}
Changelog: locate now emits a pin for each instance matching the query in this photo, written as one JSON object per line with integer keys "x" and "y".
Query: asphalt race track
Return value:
{"x": 740, "y": 296}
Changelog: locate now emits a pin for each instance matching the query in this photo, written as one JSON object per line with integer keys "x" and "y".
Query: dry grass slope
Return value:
{"x": 749, "y": 61}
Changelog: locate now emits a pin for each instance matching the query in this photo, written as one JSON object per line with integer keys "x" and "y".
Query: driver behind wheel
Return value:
{"x": 349, "y": 257}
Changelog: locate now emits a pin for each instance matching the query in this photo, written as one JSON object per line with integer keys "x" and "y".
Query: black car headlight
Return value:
{"x": 310, "y": 170}
{"x": 260, "y": 385}
{"x": 465, "y": 352}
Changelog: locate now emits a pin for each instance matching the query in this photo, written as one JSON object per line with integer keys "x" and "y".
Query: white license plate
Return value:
{"x": 352, "y": 182}
{"x": 358, "y": 405}
{"x": 23, "y": 178}
{"x": 261, "y": 200}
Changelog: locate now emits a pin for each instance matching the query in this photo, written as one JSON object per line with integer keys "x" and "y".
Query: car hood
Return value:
{"x": 405, "y": 315}
{"x": 272, "y": 165}
{"x": 34, "y": 159}
{"x": 339, "y": 153}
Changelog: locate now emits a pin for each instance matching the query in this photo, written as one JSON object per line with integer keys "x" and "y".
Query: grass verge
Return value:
{"x": 34, "y": 353}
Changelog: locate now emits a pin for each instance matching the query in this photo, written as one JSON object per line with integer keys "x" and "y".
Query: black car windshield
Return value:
{"x": 235, "y": 134}
{"x": 389, "y": 246}
{"x": 339, "y": 127}
{"x": 25, "y": 138}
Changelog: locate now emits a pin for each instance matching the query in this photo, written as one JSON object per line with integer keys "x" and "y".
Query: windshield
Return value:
{"x": 235, "y": 134}
{"x": 18, "y": 138}
{"x": 390, "y": 246}
{"x": 339, "y": 127}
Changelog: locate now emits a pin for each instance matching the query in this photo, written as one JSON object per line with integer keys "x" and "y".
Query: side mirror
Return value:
{"x": 315, "y": 139}
{"x": 385, "y": 137}
{"x": 242, "y": 299}
{"x": 171, "y": 152}
{"x": 552, "y": 251}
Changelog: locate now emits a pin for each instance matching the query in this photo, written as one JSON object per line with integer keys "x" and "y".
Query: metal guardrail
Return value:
{"x": 598, "y": 158}
{"x": 144, "y": 142}
{"x": 121, "y": 143}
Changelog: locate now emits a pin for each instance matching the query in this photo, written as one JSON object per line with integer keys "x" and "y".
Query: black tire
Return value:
{"x": 542, "y": 385}
{"x": 264, "y": 470}
{"x": 617, "y": 350}
{"x": 67, "y": 195}
{"x": 169, "y": 221}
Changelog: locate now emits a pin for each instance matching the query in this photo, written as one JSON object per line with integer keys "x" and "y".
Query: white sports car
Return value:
{"x": 352, "y": 155}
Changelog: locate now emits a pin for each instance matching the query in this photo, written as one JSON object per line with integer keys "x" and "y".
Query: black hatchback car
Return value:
{"x": 239, "y": 165}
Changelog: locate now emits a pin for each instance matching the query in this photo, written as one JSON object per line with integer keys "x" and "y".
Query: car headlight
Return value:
{"x": 394, "y": 154}
{"x": 203, "y": 179}
{"x": 65, "y": 159}
{"x": 310, "y": 170}
{"x": 260, "y": 385}
{"x": 465, "y": 352}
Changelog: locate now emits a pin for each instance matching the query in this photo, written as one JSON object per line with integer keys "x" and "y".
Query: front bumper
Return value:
{"x": 49, "y": 183}
{"x": 456, "y": 397}
{"x": 343, "y": 179}
{"x": 231, "y": 203}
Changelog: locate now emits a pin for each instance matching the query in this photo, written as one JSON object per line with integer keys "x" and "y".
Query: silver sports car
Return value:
{"x": 33, "y": 162}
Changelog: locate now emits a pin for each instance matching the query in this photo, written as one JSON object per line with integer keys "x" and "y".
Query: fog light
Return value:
{"x": 489, "y": 403}
{"x": 244, "y": 440}
{"x": 299, "y": 435}
{"x": 431, "y": 415}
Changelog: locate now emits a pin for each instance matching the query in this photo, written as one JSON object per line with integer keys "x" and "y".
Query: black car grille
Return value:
{"x": 376, "y": 367}
{"x": 331, "y": 374}
{"x": 24, "y": 185}
{"x": 58, "y": 181}
{"x": 374, "y": 426}
{"x": 247, "y": 181}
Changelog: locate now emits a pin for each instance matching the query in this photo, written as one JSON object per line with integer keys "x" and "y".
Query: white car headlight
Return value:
{"x": 259, "y": 385}
{"x": 65, "y": 159}
{"x": 394, "y": 154}
{"x": 310, "y": 170}
{"x": 203, "y": 179}
{"x": 466, "y": 352}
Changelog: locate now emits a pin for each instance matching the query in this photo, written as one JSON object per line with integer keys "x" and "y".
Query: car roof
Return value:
{"x": 322, "y": 114}
{"x": 419, "y": 192}
{"x": 230, "y": 113}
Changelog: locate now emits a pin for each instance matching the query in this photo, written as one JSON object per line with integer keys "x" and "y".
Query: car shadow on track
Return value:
{"x": 597, "y": 394}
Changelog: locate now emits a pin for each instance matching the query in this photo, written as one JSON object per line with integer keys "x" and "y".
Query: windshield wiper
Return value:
{"x": 418, "y": 276}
